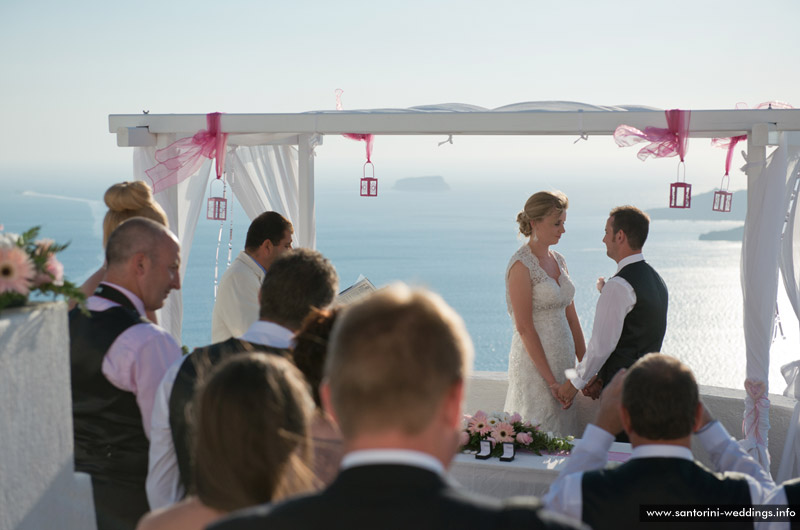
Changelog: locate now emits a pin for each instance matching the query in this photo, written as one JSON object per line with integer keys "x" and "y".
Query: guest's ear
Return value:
{"x": 625, "y": 419}
{"x": 325, "y": 397}
{"x": 699, "y": 417}
{"x": 451, "y": 405}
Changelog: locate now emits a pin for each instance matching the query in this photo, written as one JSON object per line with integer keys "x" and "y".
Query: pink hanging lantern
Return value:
{"x": 369, "y": 185}
{"x": 217, "y": 207}
{"x": 680, "y": 192}
{"x": 723, "y": 199}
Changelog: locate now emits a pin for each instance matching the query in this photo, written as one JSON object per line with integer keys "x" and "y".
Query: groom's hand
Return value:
{"x": 566, "y": 393}
{"x": 593, "y": 388}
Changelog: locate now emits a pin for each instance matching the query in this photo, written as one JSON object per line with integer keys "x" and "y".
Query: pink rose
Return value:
{"x": 53, "y": 273}
{"x": 524, "y": 438}
{"x": 515, "y": 418}
{"x": 463, "y": 438}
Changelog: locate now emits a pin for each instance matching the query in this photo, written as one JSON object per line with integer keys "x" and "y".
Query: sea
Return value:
{"x": 457, "y": 243}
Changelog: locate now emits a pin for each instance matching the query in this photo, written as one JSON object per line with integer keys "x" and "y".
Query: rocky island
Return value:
{"x": 433, "y": 183}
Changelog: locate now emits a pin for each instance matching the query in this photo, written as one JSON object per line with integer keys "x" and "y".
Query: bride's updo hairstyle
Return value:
{"x": 130, "y": 199}
{"x": 538, "y": 206}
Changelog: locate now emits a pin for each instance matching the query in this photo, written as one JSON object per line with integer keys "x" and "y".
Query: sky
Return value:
{"x": 65, "y": 66}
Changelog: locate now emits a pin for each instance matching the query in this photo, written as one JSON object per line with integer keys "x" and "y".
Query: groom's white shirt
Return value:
{"x": 616, "y": 300}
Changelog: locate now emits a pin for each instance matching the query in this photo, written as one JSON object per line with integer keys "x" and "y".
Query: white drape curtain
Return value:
{"x": 265, "y": 177}
{"x": 790, "y": 271}
{"x": 759, "y": 275}
{"x": 182, "y": 204}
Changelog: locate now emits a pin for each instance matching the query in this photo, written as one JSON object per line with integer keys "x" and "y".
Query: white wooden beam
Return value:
{"x": 704, "y": 123}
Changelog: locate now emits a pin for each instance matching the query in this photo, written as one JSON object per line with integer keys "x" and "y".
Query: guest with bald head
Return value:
{"x": 118, "y": 358}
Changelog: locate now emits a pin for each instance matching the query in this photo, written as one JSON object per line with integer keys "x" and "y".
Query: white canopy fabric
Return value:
{"x": 790, "y": 271}
{"x": 262, "y": 177}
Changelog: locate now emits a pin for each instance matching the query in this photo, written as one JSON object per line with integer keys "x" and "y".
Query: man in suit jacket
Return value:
{"x": 394, "y": 381}
{"x": 631, "y": 315}
{"x": 298, "y": 281}
{"x": 657, "y": 403}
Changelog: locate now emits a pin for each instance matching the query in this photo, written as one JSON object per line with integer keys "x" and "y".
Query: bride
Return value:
{"x": 547, "y": 335}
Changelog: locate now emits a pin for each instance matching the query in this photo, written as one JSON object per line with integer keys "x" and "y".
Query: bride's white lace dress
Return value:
{"x": 528, "y": 393}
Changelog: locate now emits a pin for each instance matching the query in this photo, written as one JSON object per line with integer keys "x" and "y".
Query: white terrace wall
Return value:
{"x": 38, "y": 486}
{"x": 487, "y": 391}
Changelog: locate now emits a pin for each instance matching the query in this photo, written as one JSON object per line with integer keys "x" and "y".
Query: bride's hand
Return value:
{"x": 554, "y": 388}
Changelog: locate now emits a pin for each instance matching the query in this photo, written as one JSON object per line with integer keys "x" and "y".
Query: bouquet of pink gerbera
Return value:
{"x": 29, "y": 265}
{"x": 502, "y": 427}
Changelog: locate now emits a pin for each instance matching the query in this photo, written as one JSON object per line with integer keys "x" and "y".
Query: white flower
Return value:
{"x": 8, "y": 239}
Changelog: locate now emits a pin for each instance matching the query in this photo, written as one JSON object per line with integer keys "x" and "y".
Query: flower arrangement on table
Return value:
{"x": 29, "y": 265}
{"x": 501, "y": 427}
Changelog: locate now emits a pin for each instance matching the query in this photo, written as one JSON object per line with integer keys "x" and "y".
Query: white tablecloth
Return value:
{"x": 527, "y": 474}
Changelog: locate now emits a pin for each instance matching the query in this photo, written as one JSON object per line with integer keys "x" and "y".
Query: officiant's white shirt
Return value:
{"x": 616, "y": 300}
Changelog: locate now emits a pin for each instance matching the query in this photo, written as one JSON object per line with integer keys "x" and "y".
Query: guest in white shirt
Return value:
{"x": 395, "y": 377}
{"x": 236, "y": 307}
{"x": 657, "y": 403}
{"x": 298, "y": 281}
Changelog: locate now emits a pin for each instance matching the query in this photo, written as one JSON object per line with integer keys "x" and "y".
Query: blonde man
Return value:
{"x": 395, "y": 381}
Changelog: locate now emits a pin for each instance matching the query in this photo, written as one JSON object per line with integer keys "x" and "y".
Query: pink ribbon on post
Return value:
{"x": 671, "y": 141}
{"x": 730, "y": 143}
{"x": 182, "y": 158}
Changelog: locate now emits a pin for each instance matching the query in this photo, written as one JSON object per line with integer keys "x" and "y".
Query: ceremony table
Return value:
{"x": 527, "y": 474}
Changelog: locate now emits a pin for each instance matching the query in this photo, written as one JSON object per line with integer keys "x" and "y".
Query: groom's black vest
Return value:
{"x": 644, "y": 327}
{"x": 612, "y": 497}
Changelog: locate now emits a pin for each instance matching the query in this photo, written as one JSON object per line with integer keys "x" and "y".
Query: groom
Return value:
{"x": 631, "y": 316}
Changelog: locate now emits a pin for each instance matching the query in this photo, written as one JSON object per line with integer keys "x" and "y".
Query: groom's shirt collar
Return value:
{"x": 633, "y": 258}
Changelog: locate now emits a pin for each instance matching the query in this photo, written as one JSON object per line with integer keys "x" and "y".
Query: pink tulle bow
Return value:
{"x": 757, "y": 391}
{"x": 181, "y": 159}
{"x": 358, "y": 137}
{"x": 730, "y": 143}
{"x": 663, "y": 142}
{"x": 366, "y": 138}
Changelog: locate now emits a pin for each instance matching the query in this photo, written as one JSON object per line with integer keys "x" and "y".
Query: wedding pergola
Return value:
{"x": 271, "y": 159}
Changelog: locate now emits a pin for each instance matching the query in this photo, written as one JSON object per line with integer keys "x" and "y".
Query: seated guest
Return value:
{"x": 395, "y": 377}
{"x": 251, "y": 423}
{"x": 298, "y": 281}
{"x": 236, "y": 307}
{"x": 310, "y": 349}
{"x": 117, "y": 360}
{"x": 125, "y": 200}
{"x": 657, "y": 404}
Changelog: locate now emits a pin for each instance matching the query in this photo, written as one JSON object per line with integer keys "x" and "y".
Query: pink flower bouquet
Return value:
{"x": 29, "y": 265}
{"x": 501, "y": 427}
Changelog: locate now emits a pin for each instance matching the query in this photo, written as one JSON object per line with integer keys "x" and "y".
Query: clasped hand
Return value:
{"x": 564, "y": 393}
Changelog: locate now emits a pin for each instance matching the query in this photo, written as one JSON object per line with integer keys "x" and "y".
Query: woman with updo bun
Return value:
{"x": 547, "y": 333}
{"x": 124, "y": 200}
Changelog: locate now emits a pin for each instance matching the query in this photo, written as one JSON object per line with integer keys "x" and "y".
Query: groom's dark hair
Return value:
{"x": 661, "y": 397}
{"x": 634, "y": 222}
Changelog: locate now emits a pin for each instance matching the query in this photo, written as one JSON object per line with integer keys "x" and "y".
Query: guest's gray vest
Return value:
{"x": 108, "y": 433}
{"x": 612, "y": 497}
{"x": 192, "y": 370}
{"x": 644, "y": 327}
{"x": 792, "y": 490}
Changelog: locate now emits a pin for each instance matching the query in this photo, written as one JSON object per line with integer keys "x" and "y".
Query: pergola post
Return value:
{"x": 305, "y": 173}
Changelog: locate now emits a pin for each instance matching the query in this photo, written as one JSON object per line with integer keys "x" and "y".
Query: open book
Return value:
{"x": 355, "y": 292}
